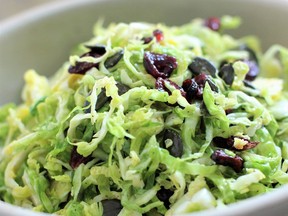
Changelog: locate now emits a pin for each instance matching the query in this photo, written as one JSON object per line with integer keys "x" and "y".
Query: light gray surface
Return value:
{"x": 13, "y": 7}
{"x": 43, "y": 39}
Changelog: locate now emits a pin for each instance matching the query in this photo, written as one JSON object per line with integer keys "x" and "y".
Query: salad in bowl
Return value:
{"x": 149, "y": 119}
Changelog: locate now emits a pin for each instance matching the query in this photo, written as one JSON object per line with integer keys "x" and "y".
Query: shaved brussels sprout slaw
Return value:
{"x": 149, "y": 119}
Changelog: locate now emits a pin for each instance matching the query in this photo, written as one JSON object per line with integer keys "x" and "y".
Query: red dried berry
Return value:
{"x": 213, "y": 23}
{"x": 76, "y": 159}
{"x": 253, "y": 70}
{"x": 201, "y": 79}
{"x": 250, "y": 144}
{"x": 187, "y": 83}
{"x": 160, "y": 85}
{"x": 221, "y": 158}
{"x": 228, "y": 111}
{"x": 83, "y": 67}
{"x": 222, "y": 142}
{"x": 158, "y": 34}
{"x": 228, "y": 143}
{"x": 192, "y": 89}
{"x": 159, "y": 65}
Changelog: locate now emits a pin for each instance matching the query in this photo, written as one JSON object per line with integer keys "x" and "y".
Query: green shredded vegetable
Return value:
{"x": 105, "y": 135}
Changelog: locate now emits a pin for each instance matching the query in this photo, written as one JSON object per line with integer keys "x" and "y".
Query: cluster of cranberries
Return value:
{"x": 221, "y": 158}
{"x": 226, "y": 72}
{"x": 161, "y": 66}
{"x": 228, "y": 143}
{"x": 83, "y": 67}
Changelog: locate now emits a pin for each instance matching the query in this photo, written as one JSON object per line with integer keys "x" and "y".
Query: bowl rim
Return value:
{"x": 41, "y": 11}
{"x": 44, "y": 11}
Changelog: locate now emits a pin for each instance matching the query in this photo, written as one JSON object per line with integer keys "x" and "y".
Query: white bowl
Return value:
{"x": 43, "y": 38}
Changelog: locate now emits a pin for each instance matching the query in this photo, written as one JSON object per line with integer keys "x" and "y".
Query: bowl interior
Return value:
{"x": 43, "y": 38}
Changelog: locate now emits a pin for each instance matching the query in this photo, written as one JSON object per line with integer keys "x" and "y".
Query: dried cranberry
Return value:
{"x": 201, "y": 80}
{"x": 159, "y": 65}
{"x": 83, "y": 67}
{"x": 201, "y": 65}
{"x": 253, "y": 70}
{"x": 213, "y": 23}
{"x": 227, "y": 73}
{"x": 228, "y": 111}
{"x": 191, "y": 88}
{"x": 250, "y": 144}
{"x": 222, "y": 142}
{"x": 228, "y": 143}
{"x": 221, "y": 158}
{"x": 187, "y": 83}
{"x": 164, "y": 196}
{"x": 194, "y": 87}
{"x": 160, "y": 85}
{"x": 76, "y": 159}
{"x": 158, "y": 34}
